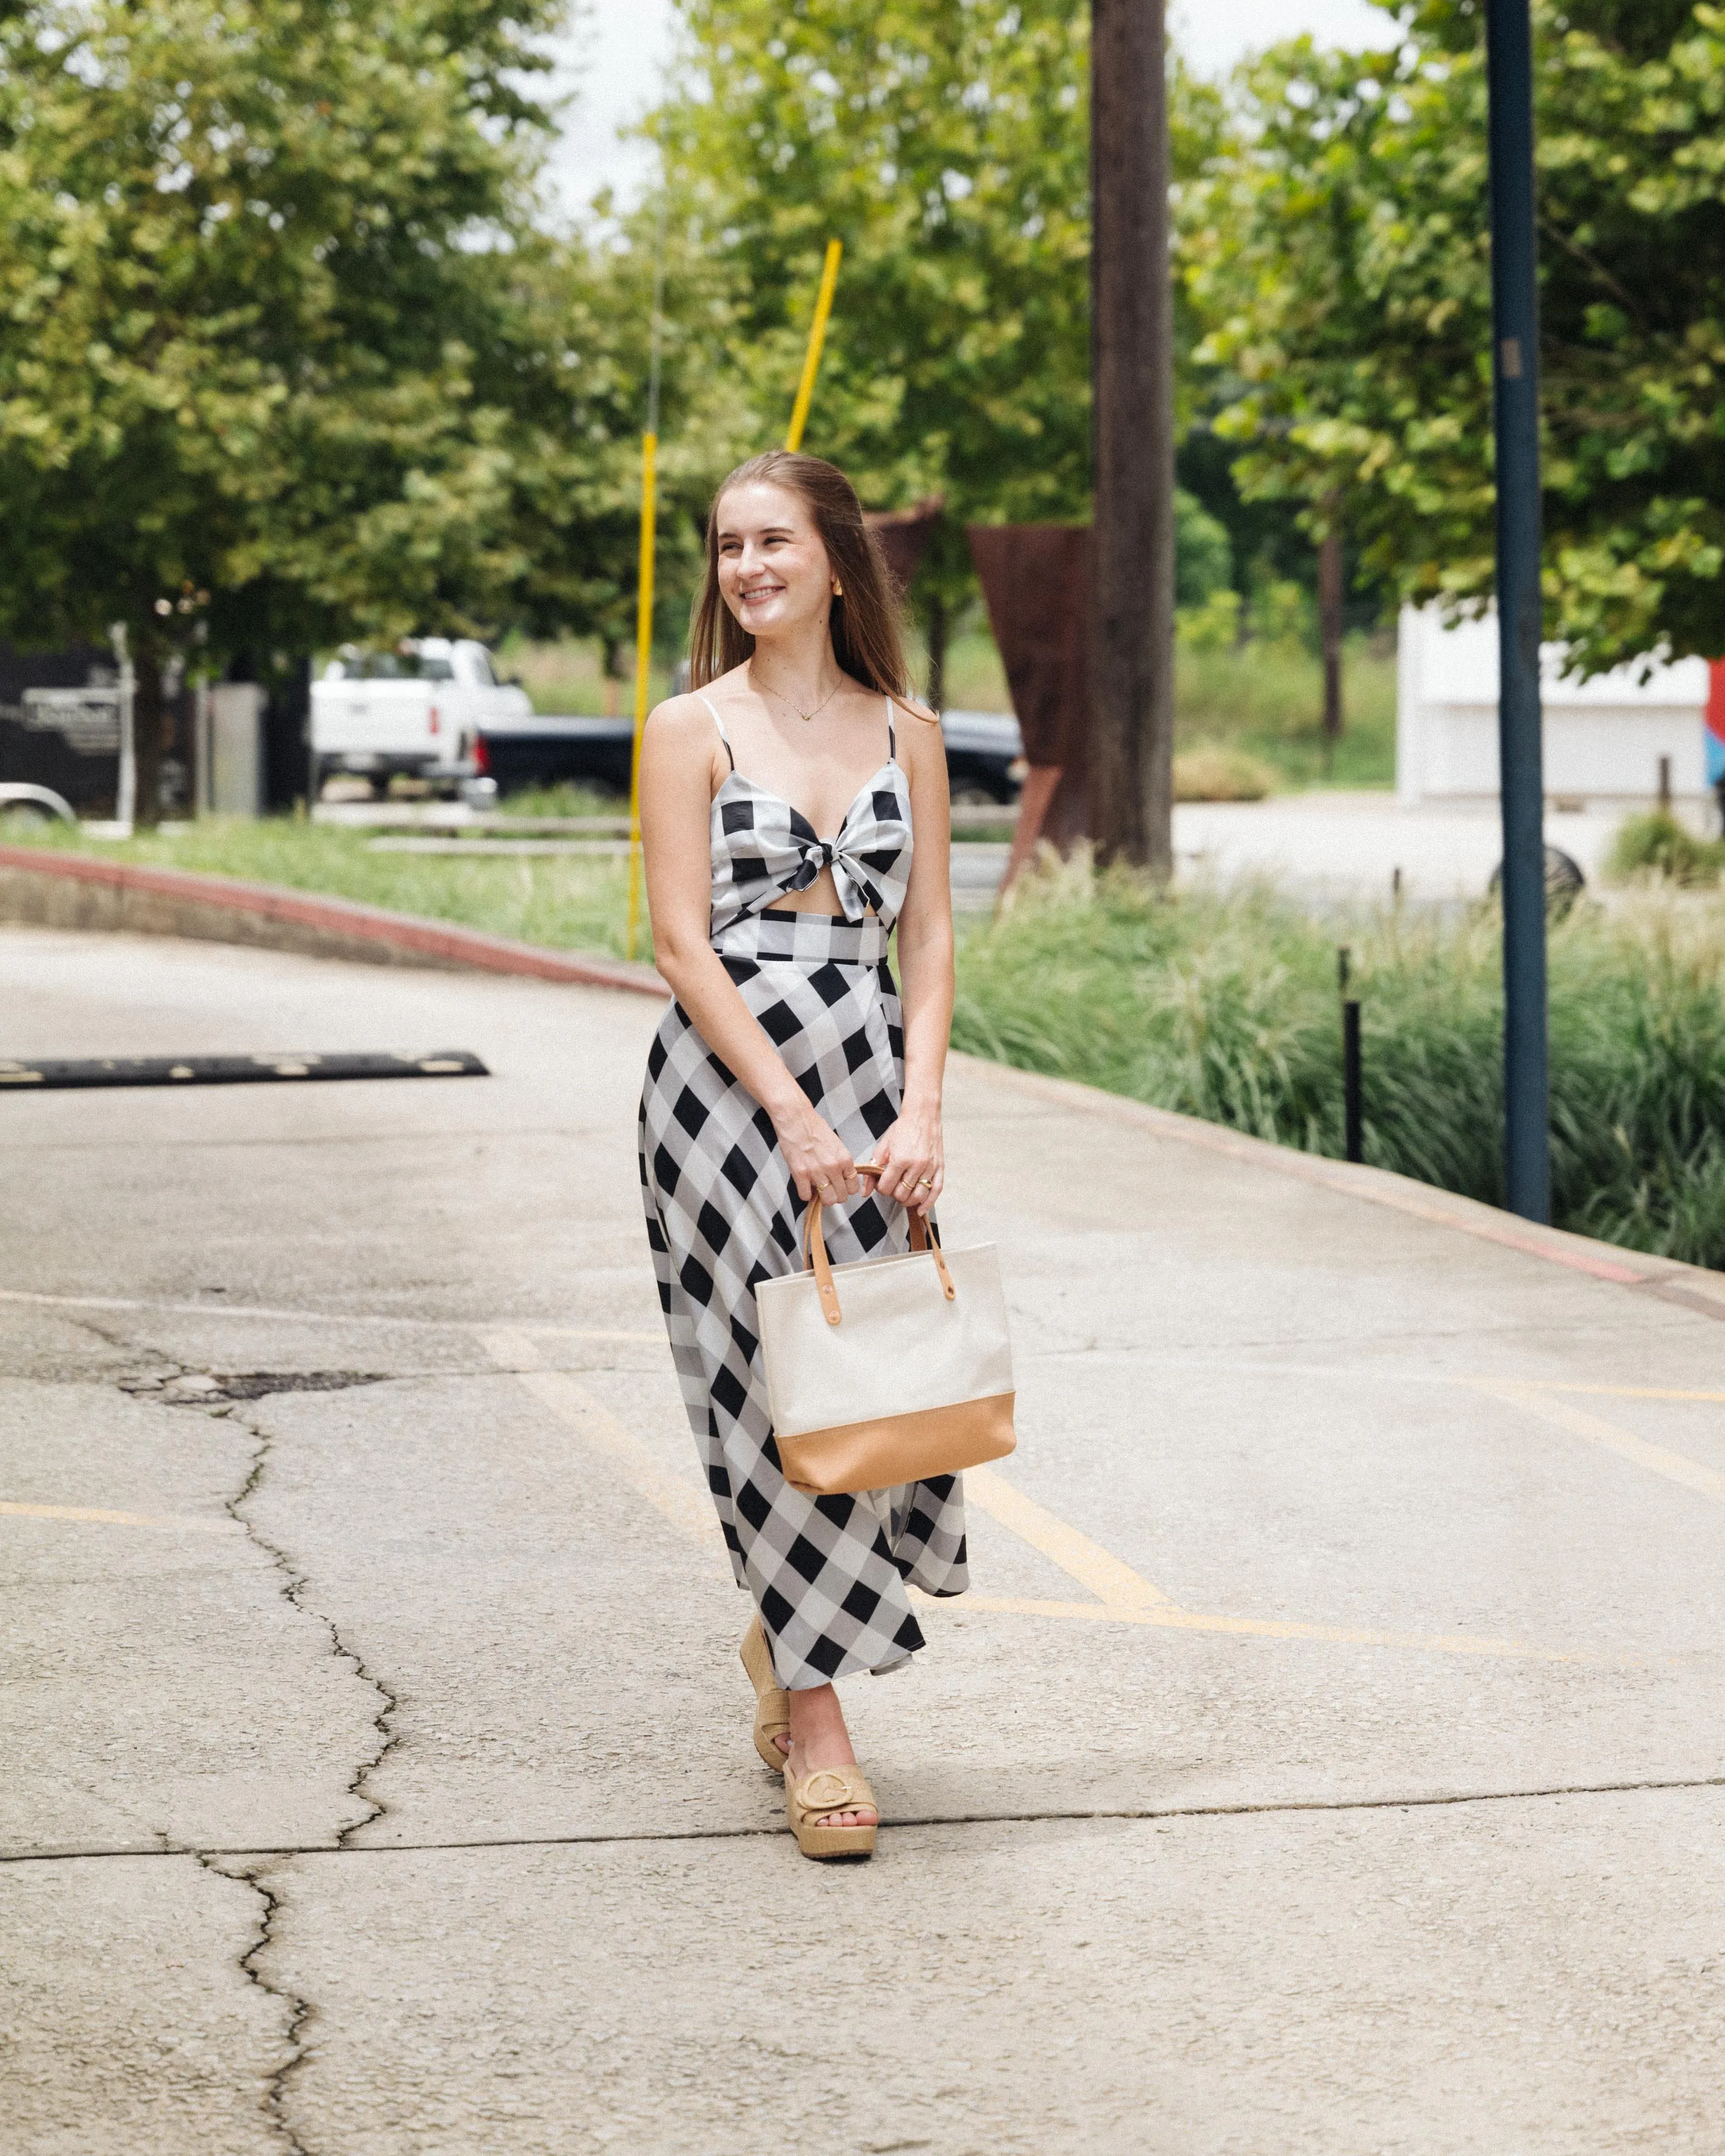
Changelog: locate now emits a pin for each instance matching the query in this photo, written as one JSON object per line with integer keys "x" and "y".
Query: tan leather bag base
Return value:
{"x": 902, "y": 1448}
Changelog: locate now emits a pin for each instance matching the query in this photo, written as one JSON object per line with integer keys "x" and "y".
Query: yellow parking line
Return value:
{"x": 1111, "y": 1582}
{"x": 1674, "y": 1466}
{"x": 568, "y": 1399}
{"x": 31, "y": 1299}
{"x": 1624, "y": 1392}
{"x": 1171, "y": 1618}
{"x": 679, "y": 1501}
{"x": 107, "y": 1519}
{"x": 1122, "y": 1596}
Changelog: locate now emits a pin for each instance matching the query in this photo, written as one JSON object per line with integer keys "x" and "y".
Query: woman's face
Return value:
{"x": 774, "y": 570}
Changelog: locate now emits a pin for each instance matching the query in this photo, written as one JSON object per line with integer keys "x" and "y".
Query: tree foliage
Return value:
{"x": 283, "y": 354}
{"x": 946, "y": 144}
{"x": 1337, "y": 252}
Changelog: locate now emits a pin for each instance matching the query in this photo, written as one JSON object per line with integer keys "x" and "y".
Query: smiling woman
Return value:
{"x": 787, "y": 1058}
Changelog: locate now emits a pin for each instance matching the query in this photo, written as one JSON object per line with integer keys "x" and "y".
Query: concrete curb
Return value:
{"x": 1693, "y": 1286}
{"x": 44, "y": 889}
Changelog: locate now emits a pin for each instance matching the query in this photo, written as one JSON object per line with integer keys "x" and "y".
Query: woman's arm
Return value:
{"x": 678, "y": 780}
{"x": 912, "y": 1152}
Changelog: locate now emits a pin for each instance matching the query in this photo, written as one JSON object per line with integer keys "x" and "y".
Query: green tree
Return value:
{"x": 1339, "y": 252}
{"x": 946, "y": 144}
{"x": 286, "y": 355}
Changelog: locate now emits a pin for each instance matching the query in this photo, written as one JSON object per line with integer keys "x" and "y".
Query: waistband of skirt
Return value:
{"x": 786, "y": 938}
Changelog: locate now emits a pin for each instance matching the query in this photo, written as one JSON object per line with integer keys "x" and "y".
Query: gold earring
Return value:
{"x": 838, "y": 590}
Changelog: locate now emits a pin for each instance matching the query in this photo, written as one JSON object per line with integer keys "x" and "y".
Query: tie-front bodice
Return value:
{"x": 764, "y": 849}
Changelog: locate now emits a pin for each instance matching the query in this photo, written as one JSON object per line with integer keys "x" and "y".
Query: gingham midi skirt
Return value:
{"x": 828, "y": 1574}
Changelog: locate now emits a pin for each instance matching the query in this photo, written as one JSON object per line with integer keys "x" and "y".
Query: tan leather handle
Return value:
{"x": 814, "y": 1256}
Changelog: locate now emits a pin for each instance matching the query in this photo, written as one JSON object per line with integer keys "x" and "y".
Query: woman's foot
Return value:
{"x": 820, "y": 1739}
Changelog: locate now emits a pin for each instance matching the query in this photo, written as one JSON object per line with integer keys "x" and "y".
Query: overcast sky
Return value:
{"x": 615, "y": 60}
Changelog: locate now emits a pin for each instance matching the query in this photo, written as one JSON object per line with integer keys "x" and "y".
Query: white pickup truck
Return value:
{"x": 418, "y": 708}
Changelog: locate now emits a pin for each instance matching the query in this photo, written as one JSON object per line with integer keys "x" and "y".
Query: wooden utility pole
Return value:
{"x": 1131, "y": 627}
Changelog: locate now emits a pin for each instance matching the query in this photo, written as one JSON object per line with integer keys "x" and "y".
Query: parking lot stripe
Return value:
{"x": 101, "y": 1518}
{"x": 1123, "y": 1596}
{"x": 1656, "y": 1459}
{"x": 1114, "y": 1584}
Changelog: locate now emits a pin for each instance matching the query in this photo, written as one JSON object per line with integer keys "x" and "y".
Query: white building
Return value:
{"x": 1605, "y": 739}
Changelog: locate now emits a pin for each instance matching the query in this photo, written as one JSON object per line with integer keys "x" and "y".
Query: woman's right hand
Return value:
{"x": 820, "y": 1162}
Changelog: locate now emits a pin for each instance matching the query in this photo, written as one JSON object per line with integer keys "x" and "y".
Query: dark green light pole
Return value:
{"x": 1514, "y": 355}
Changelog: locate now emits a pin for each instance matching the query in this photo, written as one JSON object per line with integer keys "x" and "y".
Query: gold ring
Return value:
{"x": 926, "y": 1183}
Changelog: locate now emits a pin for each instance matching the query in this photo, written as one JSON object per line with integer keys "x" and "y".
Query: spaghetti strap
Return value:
{"x": 891, "y": 737}
{"x": 719, "y": 724}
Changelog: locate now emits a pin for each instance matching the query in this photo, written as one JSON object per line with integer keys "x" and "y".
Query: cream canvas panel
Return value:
{"x": 900, "y": 1347}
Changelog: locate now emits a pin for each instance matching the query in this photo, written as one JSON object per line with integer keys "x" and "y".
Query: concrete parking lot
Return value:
{"x": 1329, "y": 1760}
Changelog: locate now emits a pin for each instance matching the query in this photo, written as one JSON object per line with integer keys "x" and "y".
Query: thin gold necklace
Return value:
{"x": 791, "y": 706}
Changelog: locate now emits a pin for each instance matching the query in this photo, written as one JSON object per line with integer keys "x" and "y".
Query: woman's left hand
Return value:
{"x": 910, "y": 1162}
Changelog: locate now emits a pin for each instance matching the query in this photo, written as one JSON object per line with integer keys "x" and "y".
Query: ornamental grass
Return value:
{"x": 1226, "y": 1006}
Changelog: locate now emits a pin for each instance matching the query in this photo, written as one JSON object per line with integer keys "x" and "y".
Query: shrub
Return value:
{"x": 1226, "y": 1007}
{"x": 1213, "y": 626}
{"x": 1212, "y": 771}
{"x": 1656, "y": 844}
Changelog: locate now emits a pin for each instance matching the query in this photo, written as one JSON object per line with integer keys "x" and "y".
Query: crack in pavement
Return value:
{"x": 173, "y": 1384}
{"x": 1399, "y": 1801}
{"x": 299, "y": 2009}
{"x": 295, "y": 1582}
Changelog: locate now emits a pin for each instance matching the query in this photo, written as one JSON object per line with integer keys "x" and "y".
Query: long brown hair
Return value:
{"x": 863, "y": 620}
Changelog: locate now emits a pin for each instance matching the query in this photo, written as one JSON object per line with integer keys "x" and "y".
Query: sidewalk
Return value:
{"x": 1327, "y": 1760}
{"x": 1335, "y": 849}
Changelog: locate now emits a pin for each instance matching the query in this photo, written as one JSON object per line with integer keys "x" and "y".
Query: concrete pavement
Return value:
{"x": 1328, "y": 1760}
{"x": 1330, "y": 848}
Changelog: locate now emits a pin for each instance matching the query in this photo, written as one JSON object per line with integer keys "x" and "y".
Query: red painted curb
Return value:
{"x": 344, "y": 918}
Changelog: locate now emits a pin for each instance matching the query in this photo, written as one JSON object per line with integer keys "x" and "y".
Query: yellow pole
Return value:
{"x": 644, "y": 658}
{"x": 817, "y": 338}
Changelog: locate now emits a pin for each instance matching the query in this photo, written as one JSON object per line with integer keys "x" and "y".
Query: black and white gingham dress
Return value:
{"x": 828, "y": 1574}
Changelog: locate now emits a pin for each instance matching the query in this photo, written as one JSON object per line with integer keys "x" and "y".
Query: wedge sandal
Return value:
{"x": 830, "y": 1789}
{"x": 773, "y": 1706}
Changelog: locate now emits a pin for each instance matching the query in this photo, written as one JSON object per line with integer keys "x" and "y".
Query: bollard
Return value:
{"x": 1665, "y": 786}
{"x": 1353, "y": 1115}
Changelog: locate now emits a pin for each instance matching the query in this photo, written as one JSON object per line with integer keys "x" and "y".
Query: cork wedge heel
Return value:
{"x": 773, "y": 1706}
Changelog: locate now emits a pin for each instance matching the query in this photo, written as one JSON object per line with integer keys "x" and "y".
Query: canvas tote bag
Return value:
{"x": 889, "y": 1370}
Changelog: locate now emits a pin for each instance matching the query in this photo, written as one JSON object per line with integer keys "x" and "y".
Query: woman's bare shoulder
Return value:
{"x": 682, "y": 719}
{"x": 921, "y": 747}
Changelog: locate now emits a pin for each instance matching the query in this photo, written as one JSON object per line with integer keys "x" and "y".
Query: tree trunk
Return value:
{"x": 1329, "y": 621}
{"x": 607, "y": 660}
{"x": 936, "y": 631}
{"x": 149, "y": 718}
{"x": 1131, "y": 676}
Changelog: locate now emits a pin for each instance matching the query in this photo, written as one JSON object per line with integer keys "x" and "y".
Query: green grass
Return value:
{"x": 1261, "y": 699}
{"x": 567, "y": 901}
{"x": 564, "y": 799}
{"x": 567, "y": 678}
{"x": 1226, "y": 1008}
{"x": 1266, "y": 699}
